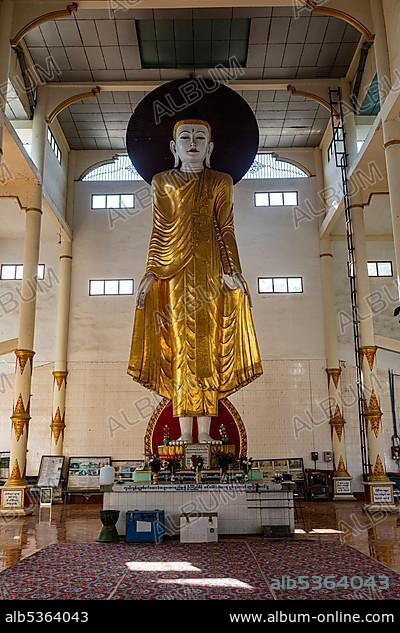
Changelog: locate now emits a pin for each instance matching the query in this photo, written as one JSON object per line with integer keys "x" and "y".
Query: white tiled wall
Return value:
{"x": 107, "y": 413}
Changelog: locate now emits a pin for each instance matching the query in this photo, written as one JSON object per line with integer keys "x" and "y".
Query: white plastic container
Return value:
{"x": 199, "y": 528}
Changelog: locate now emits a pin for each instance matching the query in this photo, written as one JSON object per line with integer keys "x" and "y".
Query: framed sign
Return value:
{"x": 271, "y": 467}
{"x": 46, "y": 497}
{"x": 124, "y": 468}
{"x": 84, "y": 472}
{"x": 50, "y": 471}
{"x": 342, "y": 486}
{"x": 12, "y": 498}
{"x": 203, "y": 450}
{"x": 382, "y": 494}
{"x": 4, "y": 464}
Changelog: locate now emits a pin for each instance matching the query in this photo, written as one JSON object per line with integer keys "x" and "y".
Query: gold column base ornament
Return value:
{"x": 341, "y": 469}
{"x": 15, "y": 478}
{"x": 378, "y": 473}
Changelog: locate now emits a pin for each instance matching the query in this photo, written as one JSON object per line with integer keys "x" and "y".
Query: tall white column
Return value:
{"x": 6, "y": 13}
{"x": 39, "y": 128}
{"x": 381, "y": 49}
{"x": 60, "y": 366}
{"x": 342, "y": 479}
{"x": 350, "y": 121}
{"x": 24, "y": 354}
{"x": 391, "y": 136}
{"x": 13, "y": 499}
{"x": 371, "y": 386}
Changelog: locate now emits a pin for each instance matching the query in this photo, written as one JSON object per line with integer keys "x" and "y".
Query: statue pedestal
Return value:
{"x": 201, "y": 450}
{"x": 342, "y": 489}
{"x": 184, "y": 452}
{"x": 241, "y": 508}
{"x": 379, "y": 496}
{"x": 15, "y": 501}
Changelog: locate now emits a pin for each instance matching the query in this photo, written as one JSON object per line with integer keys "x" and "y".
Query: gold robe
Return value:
{"x": 194, "y": 341}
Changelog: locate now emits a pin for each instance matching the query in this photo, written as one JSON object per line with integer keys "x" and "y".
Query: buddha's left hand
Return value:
{"x": 237, "y": 282}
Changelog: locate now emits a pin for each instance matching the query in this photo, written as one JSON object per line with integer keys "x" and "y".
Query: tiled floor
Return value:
{"x": 377, "y": 535}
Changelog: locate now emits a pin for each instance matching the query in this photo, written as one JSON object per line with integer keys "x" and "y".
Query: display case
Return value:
{"x": 291, "y": 468}
{"x": 319, "y": 484}
{"x": 4, "y": 465}
{"x": 125, "y": 468}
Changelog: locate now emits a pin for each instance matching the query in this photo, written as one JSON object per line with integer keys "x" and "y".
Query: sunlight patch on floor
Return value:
{"x": 161, "y": 566}
{"x": 207, "y": 582}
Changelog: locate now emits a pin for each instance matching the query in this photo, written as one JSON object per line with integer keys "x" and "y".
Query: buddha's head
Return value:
{"x": 192, "y": 144}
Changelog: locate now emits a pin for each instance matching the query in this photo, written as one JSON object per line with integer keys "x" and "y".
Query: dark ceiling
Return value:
{"x": 274, "y": 43}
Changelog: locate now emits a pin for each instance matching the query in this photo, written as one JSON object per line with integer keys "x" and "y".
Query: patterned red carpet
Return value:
{"x": 229, "y": 570}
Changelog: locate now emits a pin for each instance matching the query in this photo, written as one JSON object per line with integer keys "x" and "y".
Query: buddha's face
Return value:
{"x": 192, "y": 144}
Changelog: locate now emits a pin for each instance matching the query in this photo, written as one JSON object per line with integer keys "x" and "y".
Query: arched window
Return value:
{"x": 119, "y": 168}
{"x": 271, "y": 166}
{"x": 264, "y": 166}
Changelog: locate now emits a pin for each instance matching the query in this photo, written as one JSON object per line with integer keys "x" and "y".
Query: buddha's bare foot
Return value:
{"x": 184, "y": 439}
{"x": 205, "y": 438}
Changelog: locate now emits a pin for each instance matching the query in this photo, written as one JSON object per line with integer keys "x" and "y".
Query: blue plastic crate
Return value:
{"x": 145, "y": 526}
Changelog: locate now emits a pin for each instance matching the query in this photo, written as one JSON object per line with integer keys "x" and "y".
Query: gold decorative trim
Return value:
{"x": 57, "y": 425}
{"x": 19, "y": 407}
{"x": 334, "y": 373}
{"x": 67, "y": 102}
{"x": 65, "y": 256}
{"x": 313, "y": 97}
{"x": 59, "y": 378}
{"x": 337, "y": 422}
{"x": 369, "y": 351}
{"x": 27, "y": 209}
{"x": 390, "y": 143}
{"x": 18, "y": 424}
{"x": 148, "y": 438}
{"x": 15, "y": 478}
{"x": 373, "y": 414}
{"x": 46, "y": 17}
{"x": 326, "y": 255}
{"x": 23, "y": 355}
{"x": 378, "y": 474}
{"x": 239, "y": 425}
{"x": 341, "y": 15}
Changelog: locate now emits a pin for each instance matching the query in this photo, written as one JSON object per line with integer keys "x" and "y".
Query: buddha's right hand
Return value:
{"x": 144, "y": 288}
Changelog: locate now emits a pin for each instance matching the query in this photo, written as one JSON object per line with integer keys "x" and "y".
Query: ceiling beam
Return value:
{"x": 236, "y": 84}
{"x": 42, "y": 19}
{"x": 177, "y": 4}
{"x": 388, "y": 344}
{"x": 6, "y": 347}
{"x": 330, "y": 221}
{"x": 373, "y": 237}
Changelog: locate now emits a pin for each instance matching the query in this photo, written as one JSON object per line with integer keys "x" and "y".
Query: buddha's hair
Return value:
{"x": 191, "y": 122}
